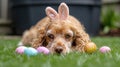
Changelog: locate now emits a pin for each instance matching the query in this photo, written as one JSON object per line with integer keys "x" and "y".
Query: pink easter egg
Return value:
{"x": 20, "y": 49}
{"x": 105, "y": 49}
{"x": 43, "y": 50}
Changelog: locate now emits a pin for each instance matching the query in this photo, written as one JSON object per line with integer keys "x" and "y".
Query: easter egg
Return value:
{"x": 30, "y": 51}
{"x": 105, "y": 49}
{"x": 20, "y": 49}
{"x": 43, "y": 50}
{"x": 90, "y": 47}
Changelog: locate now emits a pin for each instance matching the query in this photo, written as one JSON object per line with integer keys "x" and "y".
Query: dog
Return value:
{"x": 60, "y": 32}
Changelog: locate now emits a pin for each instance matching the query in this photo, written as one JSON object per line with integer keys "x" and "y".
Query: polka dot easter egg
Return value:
{"x": 43, "y": 50}
{"x": 105, "y": 49}
{"x": 20, "y": 49}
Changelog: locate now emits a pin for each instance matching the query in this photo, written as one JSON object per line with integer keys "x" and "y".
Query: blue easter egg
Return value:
{"x": 30, "y": 51}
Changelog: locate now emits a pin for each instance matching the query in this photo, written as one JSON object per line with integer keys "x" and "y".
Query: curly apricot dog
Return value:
{"x": 60, "y": 32}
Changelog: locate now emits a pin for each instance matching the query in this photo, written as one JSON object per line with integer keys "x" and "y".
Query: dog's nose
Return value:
{"x": 58, "y": 50}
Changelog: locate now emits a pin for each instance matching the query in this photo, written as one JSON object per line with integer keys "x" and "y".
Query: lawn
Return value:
{"x": 8, "y": 57}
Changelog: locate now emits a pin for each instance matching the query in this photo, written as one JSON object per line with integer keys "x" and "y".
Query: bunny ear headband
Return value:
{"x": 63, "y": 12}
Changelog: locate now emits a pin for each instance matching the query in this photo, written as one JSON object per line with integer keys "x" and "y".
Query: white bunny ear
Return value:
{"x": 63, "y": 11}
{"x": 51, "y": 13}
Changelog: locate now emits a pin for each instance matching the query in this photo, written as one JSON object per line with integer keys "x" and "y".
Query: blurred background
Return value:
{"x": 100, "y": 17}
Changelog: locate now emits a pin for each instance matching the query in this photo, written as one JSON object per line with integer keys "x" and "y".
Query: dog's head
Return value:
{"x": 60, "y": 34}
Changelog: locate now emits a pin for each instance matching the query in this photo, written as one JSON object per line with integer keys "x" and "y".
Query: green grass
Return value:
{"x": 8, "y": 57}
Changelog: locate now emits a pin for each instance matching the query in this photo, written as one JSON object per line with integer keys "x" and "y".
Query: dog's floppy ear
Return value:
{"x": 51, "y": 13}
{"x": 63, "y": 11}
{"x": 44, "y": 43}
{"x": 81, "y": 39}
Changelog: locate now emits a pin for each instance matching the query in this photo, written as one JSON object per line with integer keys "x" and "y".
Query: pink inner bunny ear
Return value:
{"x": 63, "y": 11}
{"x": 51, "y": 13}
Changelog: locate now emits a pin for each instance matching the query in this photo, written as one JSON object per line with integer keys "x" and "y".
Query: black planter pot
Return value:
{"x": 26, "y": 13}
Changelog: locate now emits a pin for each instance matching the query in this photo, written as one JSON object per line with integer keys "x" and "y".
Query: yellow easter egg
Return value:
{"x": 90, "y": 47}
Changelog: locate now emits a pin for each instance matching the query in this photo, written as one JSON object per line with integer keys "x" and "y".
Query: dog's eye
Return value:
{"x": 67, "y": 36}
{"x": 51, "y": 36}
